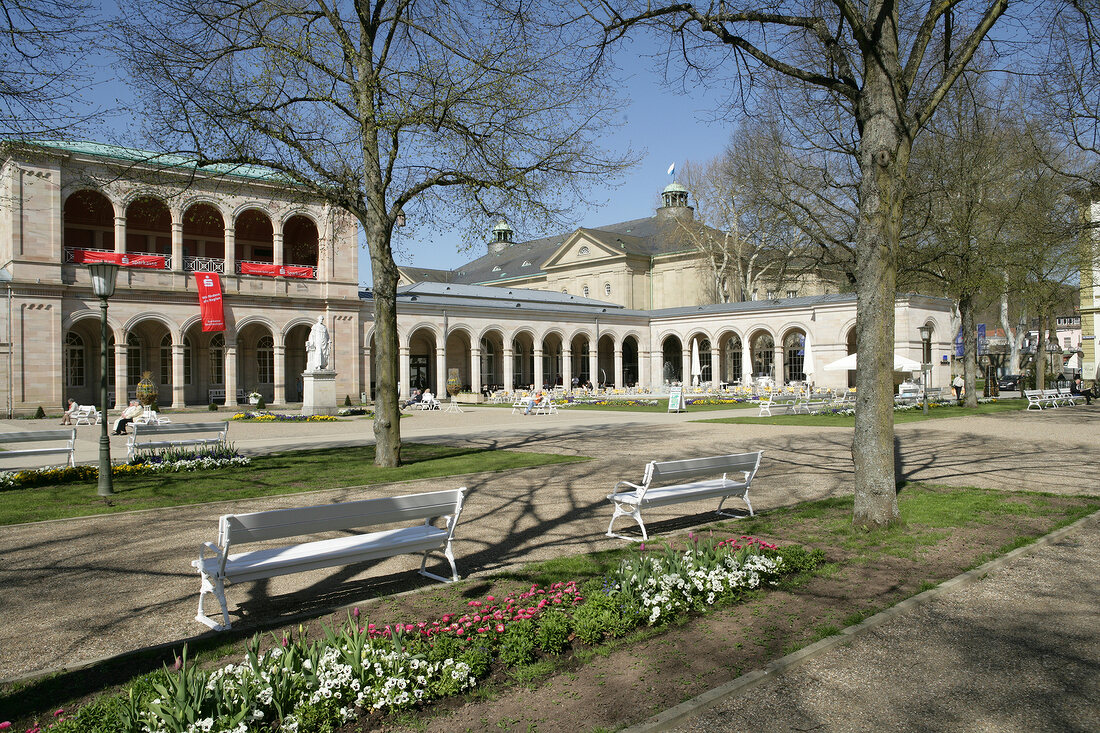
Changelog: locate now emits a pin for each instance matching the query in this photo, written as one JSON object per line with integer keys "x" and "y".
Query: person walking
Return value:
{"x": 957, "y": 385}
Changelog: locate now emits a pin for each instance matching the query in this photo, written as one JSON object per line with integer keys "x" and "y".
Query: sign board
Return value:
{"x": 676, "y": 400}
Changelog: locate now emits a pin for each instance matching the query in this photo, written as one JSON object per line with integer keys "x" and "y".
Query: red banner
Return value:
{"x": 85, "y": 256}
{"x": 266, "y": 270}
{"x": 210, "y": 301}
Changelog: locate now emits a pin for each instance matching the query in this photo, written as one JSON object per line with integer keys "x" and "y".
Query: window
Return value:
{"x": 584, "y": 290}
{"x": 792, "y": 293}
{"x": 217, "y": 359}
{"x": 756, "y": 295}
{"x": 74, "y": 360}
{"x": 526, "y": 263}
{"x": 496, "y": 268}
{"x": 166, "y": 359}
{"x": 187, "y": 354}
{"x": 1068, "y": 342}
{"x": 265, "y": 360}
{"x": 133, "y": 360}
{"x": 607, "y": 288}
{"x": 564, "y": 291}
{"x": 583, "y": 251}
{"x": 772, "y": 294}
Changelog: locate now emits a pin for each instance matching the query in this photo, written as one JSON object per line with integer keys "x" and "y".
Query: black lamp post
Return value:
{"x": 103, "y": 285}
{"x": 926, "y": 361}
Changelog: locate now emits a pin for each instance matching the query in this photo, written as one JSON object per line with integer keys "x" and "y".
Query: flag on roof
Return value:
{"x": 672, "y": 169}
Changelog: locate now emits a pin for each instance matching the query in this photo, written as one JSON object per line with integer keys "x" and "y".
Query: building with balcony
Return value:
{"x": 283, "y": 259}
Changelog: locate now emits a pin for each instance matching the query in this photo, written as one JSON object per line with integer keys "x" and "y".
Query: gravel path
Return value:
{"x": 1017, "y": 651}
{"x": 79, "y": 589}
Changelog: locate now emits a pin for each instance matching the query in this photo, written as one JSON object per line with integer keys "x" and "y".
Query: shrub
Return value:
{"x": 797, "y": 559}
{"x": 213, "y": 407}
{"x": 155, "y": 406}
{"x": 347, "y": 400}
{"x": 479, "y": 658}
{"x": 319, "y": 717}
{"x": 261, "y": 405}
{"x": 102, "y": 715}
{"x": 39, "y": 413}
{"x": 553, "y": 632}
{"x": 599, "y": 617}
{"x": 517, "y": 644}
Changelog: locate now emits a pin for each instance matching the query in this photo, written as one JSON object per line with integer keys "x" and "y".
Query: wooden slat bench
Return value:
{"x": 177, "y": 435}
{"x": 238, "y": 529}
{"x": 41, "y": 436}
{"x": 667, "y": 482}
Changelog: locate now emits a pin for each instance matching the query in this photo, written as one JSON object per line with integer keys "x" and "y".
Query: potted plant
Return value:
{"x": 146, "y": 390}
{"x": 254, "y": 397}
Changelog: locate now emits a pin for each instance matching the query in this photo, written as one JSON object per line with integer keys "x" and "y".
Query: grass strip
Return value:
{"x": 285, "y": 473}
{"x": 847, "y": 421}
{"x": 945, "y": 531}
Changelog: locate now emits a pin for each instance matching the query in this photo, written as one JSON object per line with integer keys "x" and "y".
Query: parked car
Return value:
{"x": 1009, "y": 381}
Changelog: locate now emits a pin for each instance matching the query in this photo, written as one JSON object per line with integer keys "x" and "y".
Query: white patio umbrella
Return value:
{"x": 1073, "y": 363}
{"x": 696, "y": 368}
{"x": 808, "y": 360}
{"x": 901, "y": 364}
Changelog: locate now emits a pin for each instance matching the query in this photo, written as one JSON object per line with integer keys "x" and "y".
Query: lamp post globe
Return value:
{"x": 103, "y": 276}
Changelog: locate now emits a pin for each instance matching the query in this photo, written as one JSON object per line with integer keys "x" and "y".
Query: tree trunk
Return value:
{"x": 1013, "y": 365}
{"x": 387, "y": 410}
{"x": 883, "y": 159}
{"x": 970, "y": 350}
{"x": 1041, "y": 355}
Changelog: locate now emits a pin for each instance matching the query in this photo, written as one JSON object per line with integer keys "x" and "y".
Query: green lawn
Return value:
{"x": 847, "y": 421}
{"x": 286, "y": 473}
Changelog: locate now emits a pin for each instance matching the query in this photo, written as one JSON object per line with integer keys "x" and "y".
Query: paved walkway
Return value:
{"x": 1017, "y": 651}
{"x": 78, "y": 589}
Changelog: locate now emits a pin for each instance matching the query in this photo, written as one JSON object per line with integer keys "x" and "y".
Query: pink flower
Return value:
{"x": 489, "y": 598}
{"x": 474, "y": 604}
{"x": 355, "y": 612}
{"x": 177, "y": 666}
{"x": 5, "y": 725}
{"x": 500, "y": 628}
{"x": 58, "y": 712}
{"x": 642, "y": 547}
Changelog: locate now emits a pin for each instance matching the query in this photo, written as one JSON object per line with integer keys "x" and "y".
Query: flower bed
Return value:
{"x": 597, "y": 402}
{"x": 711, "y": 400}
{"x": 280, "y": 417}
{"x": 145, "y": 462}
{"x": 359, "y": 668}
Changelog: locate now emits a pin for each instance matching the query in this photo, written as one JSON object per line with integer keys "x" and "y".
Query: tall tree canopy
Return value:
{"x": 441, "y": 110}
{"x": 885, "y": 66}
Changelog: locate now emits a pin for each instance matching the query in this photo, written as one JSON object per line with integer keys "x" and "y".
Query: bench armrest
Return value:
{"x": 222, "y": 556}
{"x": 627, "y": 483}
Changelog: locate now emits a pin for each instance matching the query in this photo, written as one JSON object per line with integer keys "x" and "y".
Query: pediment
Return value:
{"x": 580, "y": 248}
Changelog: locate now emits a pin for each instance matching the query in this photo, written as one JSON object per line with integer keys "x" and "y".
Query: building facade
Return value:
{"x": 283, "y": 260}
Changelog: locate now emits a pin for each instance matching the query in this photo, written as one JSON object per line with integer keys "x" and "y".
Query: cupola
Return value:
{"x": 675, "y": 199}
{"x": 502, "y": 237}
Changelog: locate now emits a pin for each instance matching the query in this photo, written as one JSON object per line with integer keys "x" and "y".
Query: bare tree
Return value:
{"x": 878, "y": 67}
{"x": 435, "y": 109}
{"x": 43, "y": 44}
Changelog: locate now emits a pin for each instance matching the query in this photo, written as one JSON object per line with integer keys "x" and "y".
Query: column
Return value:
{"x": 440, "y": 372}
{"x": 643, "y": 368}
{"x": 618, "y": 368}
{"x": 230, "y": 251}
{"x": 120, "y": 234}
{"x": 509, "y": 370}
{"x": 279, "y": 396}
{"x": 657, "y": 368}
{"x": 475, "y": 371}
{"x": 277, "y": 248}
{"x": 593, "y": 365}
{"x": 121, "y": 386}
{"x": 404, "y": 369}
{"x": 567, "y": 368}
{"x": 538, "y": 368}
{"x": 715, "y": 365}
{"x": 230, "y": 373}
{"x": 779, "y": 380}
{"x": 177, "y": 247}
{"x": 685, "y": 367}
{"x": 178, "y": 396}
{"x": 746, "y": 362}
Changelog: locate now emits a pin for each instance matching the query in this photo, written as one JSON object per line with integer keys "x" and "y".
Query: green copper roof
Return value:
{"x": 166, "y": 160}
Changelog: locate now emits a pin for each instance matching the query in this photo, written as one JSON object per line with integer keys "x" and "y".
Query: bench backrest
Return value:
{"x": 666, "y": 472}
{"x": 282, "y": 523}
{"x": 40, "y": 436}
{"x": 181, "y": 428}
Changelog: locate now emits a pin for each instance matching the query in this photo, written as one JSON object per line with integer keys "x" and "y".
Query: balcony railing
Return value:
{"x": 204, "y": 264}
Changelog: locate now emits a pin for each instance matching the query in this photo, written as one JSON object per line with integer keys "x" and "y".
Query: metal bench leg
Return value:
{"x": 450, "y": 558}
{"x": 218, "y": 589}
{"x": 632, "y": 511}
{"x": 733, "y": 516}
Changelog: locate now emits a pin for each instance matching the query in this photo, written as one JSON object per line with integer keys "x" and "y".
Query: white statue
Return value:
{"x": 317, "y": 346}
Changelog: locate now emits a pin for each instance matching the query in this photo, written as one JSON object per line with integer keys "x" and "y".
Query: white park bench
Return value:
{"x": 1066, "y": 396}
{"x": 150, "y": 417}
{"x": 519, "y": 402}
{"x": 429, "y": 404}
{"x": 1038, "y": 398}
{"x": 666, "y": 482}
{"x": 218, "y": 393}
{"x": 766, "y": 406}
{"x": 42, "y": 436}
{"x": 178, "y": 435}
{"x": 546, "y": 407}
{"x": 239, "y": 529}
{"x": 86, "y": 415}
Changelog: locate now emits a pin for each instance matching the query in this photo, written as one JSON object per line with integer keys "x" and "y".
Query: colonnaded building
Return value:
{"x": 619, "y": 305}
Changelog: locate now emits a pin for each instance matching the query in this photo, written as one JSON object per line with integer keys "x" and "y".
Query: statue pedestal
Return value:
{"x": 319, "y": 392}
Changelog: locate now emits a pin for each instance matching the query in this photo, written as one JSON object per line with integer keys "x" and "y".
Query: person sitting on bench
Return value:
{"x": 128, "y": 416}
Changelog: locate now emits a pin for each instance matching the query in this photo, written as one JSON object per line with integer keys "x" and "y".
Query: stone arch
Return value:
{"x": 254, "y": 235}
{"x": 672, "y": 365}
{"x": 148, "y": 224}
{"x": 761, "y": 341}
{"x": 203, "y": 224}
{"x": 422, "y": 342}
{"x": 405, "y": 334}
{"x": 164, "y": 320}
{"x": 254, "y": 319}
{"x": 308, "y": 323}
{"x": 631, "y": 346}
{"x": 301, "y": 240}
{"x": 730, "y": 356}
{"x": 87, "y": 314}
{"x": 88, "y": 220}
{"x": 793, "y": 344}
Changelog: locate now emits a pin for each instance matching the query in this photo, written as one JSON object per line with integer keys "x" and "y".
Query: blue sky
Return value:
{"x": 659, "y": 123}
